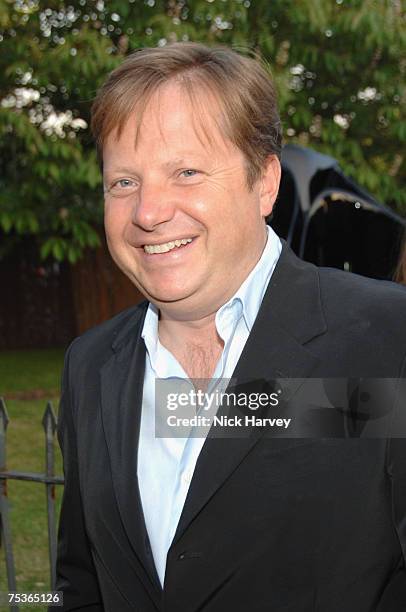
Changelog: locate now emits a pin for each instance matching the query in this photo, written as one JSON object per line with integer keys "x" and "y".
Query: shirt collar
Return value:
{"x": 251, "y": 292}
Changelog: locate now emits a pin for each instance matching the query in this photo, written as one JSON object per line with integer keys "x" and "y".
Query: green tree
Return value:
{"x": 339, "y": 68}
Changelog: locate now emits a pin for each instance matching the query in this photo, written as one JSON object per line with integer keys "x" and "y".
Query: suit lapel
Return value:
{"x": 290, "y": 315}
{"x": 122, "y": 379}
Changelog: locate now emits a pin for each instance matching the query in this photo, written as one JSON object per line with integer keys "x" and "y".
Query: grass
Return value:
{"x": 24, "y": 371}
{"x": 30, "y": 370}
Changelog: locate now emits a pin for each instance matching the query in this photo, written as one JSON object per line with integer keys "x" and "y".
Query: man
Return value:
{"x": 189, "y": 139}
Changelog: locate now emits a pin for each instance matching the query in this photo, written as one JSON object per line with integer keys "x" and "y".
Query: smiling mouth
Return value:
{"x": 165, "y": 247}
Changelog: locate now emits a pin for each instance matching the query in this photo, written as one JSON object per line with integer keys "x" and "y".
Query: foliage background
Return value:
{"x": 339, "y": 67}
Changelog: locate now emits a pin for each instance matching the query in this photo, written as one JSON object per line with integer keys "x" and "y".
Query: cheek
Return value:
{"x": 116, "y": 217}
{"x": 214, "y": 210}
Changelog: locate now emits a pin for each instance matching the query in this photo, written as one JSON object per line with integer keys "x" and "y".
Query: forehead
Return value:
{"x": 174, "y": 118}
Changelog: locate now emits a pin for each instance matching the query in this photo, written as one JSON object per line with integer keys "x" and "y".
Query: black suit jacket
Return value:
{"x": 281, "y": 525}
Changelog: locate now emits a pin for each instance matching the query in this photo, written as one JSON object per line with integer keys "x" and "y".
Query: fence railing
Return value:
{"x": 48, "y": 478}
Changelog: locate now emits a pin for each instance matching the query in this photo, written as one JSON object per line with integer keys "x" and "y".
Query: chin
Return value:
{"x": 168, "y": 297}
{"x": 166, "y": 290}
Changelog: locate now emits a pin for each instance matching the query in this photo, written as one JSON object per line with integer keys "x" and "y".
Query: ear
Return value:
{"x": 269, "y": 184}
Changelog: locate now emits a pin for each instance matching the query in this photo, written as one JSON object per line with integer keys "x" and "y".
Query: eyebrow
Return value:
{"x": 169, "y": 164}
{"x": 126, "y": 170}
{"x": 180, "y": 161}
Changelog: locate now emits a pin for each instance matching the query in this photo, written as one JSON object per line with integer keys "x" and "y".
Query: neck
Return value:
{"x": 196, "y": 344}
{"x": 179, "y": 332}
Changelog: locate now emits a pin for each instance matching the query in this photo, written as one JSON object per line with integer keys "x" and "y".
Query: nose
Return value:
{"x": 153, "y": 206}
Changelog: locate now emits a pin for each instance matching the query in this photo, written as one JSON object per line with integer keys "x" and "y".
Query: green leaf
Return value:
{"x": 46, "y": 248}
{"x": 58, "y": 249}
{"x": 73, "y": 254}
{"x": 6, "y": 221}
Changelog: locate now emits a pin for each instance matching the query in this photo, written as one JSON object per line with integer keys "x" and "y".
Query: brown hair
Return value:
{"x": 241, "y": 85}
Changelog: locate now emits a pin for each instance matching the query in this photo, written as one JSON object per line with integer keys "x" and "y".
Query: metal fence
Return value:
{"x": 48, "y": 478}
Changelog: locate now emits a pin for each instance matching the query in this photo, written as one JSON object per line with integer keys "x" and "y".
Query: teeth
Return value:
{"x": 167, "y": 246}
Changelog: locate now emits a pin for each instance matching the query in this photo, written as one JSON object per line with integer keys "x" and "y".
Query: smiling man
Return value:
{"x": 189, "y": 138}
{"x": 193, "y": 190}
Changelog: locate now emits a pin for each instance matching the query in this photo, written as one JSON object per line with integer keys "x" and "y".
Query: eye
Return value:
{"x": 189, "y": 172}
{"x": 124, "y": 183}
{"x": 122, "y": 187}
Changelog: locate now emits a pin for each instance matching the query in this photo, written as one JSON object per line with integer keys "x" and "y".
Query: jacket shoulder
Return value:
{"x": 355, "y": 295}
{"x": 366, "y": 318}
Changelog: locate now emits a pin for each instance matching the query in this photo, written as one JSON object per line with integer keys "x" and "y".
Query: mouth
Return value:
{"x": 166, "y": 247}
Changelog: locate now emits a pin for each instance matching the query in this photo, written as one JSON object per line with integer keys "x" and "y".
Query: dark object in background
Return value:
{"x": 330, "y": 221}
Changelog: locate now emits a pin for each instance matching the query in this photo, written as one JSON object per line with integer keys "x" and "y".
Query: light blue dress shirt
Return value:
{"x": 166, "y": 465}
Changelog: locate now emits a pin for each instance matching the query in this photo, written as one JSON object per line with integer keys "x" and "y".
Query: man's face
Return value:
{"x": 174, "y": 185}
